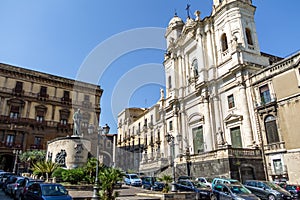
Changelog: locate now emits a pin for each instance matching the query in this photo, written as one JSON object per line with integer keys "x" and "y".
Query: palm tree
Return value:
{"x": 166, "y": 179}
{"x": 45, "y": 167}
{"x": 108, "y": 178}
{"x": 33, "y": 156}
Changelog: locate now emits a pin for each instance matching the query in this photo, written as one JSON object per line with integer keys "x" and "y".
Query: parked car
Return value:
{"x": 46, "y": 191}
{"x": 151, "y": 183}
{"x": 132, "y": 179}
{"x": 232, "y": 191}
{"x": 23, "y": 186}
{"x": 4, "y": 176}
{"x": 224, "y": 180}
{"x": 293, "y": 189}
{"x": 9, "y": 180}
{"x": 267, "y": 190}
{"x": 206, "y": 181}
{"x": 118, "y": 184}
{"x": 187, "y": 185}
{"x": 185, "y": 178}
{"x": 13, "y": 185}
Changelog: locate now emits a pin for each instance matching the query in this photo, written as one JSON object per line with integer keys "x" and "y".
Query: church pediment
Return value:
{"x": 233, "y": 118}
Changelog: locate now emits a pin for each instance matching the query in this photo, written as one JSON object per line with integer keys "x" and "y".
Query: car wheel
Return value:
{"x": 271, "y": 197}
{"x": 213, "y": 197}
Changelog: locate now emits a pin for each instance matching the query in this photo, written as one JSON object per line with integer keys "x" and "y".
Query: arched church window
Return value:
{"x": 170, "y": 82}
{"x": 195, "y": 67}
{"x": 224, "y": 42}
{"x": 249, "y": 36}
{"x": 271, "y": 129}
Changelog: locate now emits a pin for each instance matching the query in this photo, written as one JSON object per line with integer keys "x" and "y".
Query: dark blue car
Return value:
{"x": 203, "y": 192}
{"x": 151, "y": 183}
{"x": 46, "y": 191}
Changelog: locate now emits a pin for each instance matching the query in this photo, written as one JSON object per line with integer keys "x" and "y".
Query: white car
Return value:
{"x": 205, "y": 181}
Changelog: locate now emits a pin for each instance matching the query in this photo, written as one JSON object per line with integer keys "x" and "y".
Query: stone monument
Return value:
{"x": 72, "y": 151}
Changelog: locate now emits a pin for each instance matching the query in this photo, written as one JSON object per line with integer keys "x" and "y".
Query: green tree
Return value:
{"x": 167, "y": 179}
{"x": 45, "y": 168}
{"x": 108, "y": 178}
{"x": 73, "y": 176}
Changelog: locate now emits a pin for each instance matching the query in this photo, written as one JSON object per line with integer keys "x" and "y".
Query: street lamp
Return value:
{"x": 170, "y": 140}
{"x": 17, "y": 153}
{"x": 100, "y": 131}
{"x": 188, "y": 161}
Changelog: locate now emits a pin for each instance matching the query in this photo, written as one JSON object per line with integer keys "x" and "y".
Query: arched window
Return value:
{"x": 249, "y": 36}
{"x": 271, "y": 129}
{"x": 170, "y": 82}
{"x": 195, "y": 67}
{"x": 224, "y": 42}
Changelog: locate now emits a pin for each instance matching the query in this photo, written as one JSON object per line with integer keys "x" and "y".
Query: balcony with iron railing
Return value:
{"x": 11, "y": 145}
{"x": 27, "y": 121}
{"x": 227, "y": 152}
{"x": 36, "y": 146}
{"x": 274, "y": 147}
{"x": 46, "y": 97}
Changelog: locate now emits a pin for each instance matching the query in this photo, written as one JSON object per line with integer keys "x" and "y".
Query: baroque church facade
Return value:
{"x": 213, "y": 109}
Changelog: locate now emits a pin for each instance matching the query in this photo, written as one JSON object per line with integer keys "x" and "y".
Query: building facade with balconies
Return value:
{"x": 276, "y": 94}
{"x": 36, "y": 107}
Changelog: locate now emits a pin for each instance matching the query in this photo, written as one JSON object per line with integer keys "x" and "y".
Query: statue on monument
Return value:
{"x": 77, "y": 123}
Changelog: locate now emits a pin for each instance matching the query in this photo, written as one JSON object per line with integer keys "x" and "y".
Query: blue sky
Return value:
{"x": 60, "y": 37}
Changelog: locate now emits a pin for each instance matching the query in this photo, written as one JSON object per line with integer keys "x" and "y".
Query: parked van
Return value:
{"x": 133, "y": 180}
{"x": 224, "y": 180}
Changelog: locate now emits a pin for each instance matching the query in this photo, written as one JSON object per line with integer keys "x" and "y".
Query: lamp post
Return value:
{"x": 188, "y": 161}
{"x": 17, "y": 153}
{"x": 100, "y": 131}
{"x": 170, "y": 140}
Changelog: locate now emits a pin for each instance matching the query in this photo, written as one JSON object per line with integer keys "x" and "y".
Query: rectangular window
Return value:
{"x": 66, "y": 95}
{"x": 39, "y": 118}
{"x": 14, "y": 112}
{"x": 10, "y": 140}
{"x": 171, "y": 125}
{"x": 63, "y": 121}
{"x": 86, "y": 98}
{"x": 198, "y": 139}
{"x": 37, "y": 141}
{"x": 236, "y": 140}
{"x": 43, "y": 91}
{"x": 265, "y": 94}
{"x": 278, "y": 169}
{"x": 19, "y": 87}
{"x": 230, "y": 99}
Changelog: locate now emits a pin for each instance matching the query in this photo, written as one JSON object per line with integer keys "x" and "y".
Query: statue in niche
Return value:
{"x": 77, "y": 117}
{"x": 220, "y": 137}
{"x": 162, "y": 93}
{"x": 60, "y": 158}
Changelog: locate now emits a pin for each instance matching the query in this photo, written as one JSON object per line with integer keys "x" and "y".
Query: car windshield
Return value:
{"x": 134, "y": 177}
{"x": 273, "y": 186}
{"x": 239, "y": 189}
{"x": 199, "y": 185}
{"x": 53, "y": 190}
